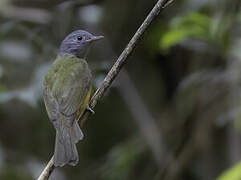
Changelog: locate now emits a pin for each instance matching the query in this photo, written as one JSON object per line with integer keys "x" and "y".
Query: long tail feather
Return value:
{"x": 65, "y": 145}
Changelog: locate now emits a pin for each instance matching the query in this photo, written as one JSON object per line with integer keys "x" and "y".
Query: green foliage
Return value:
{"x": 233, "y": 173}
{"x": 200, "y": 26}
{"x": 194, "y": 25}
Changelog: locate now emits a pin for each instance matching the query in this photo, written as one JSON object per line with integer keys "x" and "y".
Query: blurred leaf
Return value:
{"x": 191, "y": 19}
{"x": 172, "y": 37}
{"x": 194, "y": 25}
{"x": 233, "y": 173}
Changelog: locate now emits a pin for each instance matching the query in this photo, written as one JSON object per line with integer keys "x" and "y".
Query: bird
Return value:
{"x": 66, "y": 94}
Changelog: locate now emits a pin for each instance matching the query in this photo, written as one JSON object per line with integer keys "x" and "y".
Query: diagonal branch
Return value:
{"x": 127, "y": 51}
{"x": 114, "y": 72}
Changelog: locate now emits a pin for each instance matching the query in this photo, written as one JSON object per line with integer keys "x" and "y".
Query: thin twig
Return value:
{"x": 127, "y": 51}
{"x": 114, "y": 72}
{"x": 47, "y": 170}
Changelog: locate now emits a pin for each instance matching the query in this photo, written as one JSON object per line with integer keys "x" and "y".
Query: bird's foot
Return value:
{"x": 90, "y": 110}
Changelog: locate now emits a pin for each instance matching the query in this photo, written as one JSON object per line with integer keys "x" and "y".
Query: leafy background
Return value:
{"x": 173, "y": 113}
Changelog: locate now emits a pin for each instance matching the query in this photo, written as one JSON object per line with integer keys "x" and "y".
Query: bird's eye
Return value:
{"x": 79, "y": 38}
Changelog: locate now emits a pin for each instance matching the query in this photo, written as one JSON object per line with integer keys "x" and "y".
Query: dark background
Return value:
{"x": 172, "y": 113}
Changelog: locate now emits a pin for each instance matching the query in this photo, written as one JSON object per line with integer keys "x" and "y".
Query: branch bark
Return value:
{"x": 122, "y": 59}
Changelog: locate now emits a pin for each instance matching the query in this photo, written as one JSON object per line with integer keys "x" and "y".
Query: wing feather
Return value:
{"x": 66, "y": 88}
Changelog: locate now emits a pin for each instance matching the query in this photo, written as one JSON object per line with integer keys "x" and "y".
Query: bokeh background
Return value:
{"x": 174, "y": 111}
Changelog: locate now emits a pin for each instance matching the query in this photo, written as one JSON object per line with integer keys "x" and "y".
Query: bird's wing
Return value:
{"x": 71, "y": 87}
{"x": 65, "y": 89}
{"x": 49, "y": 100}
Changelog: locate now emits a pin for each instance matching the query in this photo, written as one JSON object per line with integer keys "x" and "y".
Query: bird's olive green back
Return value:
{"x": 66, "y": 86}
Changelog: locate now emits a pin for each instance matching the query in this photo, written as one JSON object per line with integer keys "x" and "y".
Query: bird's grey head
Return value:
{"x": 77, "y": 43}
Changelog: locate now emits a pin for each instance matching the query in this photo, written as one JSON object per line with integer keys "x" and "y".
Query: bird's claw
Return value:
{"x": 90, "y": 110}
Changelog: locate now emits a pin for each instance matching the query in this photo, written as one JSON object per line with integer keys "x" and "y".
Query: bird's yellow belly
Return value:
{"x": 84, "y": 104}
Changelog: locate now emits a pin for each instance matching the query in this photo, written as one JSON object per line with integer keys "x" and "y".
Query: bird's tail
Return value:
{"x": 65, "y": 144}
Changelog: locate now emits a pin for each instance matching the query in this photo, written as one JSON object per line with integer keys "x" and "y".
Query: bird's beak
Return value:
{"x": 95, "y": 38}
